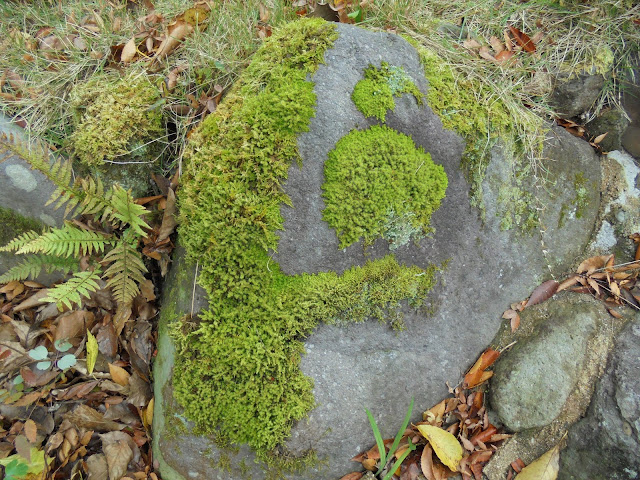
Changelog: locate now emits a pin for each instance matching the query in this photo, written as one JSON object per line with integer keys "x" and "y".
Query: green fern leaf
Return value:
{"x": 126, "y": 211}
{"x": 72, "y": 291}
{"x": 20, "y": 241}
{"x": 126, "y": 271}
{"x": 67, "y": 241}
{"x": 35, "y": 153}
{"x": 96, "y": 201}
{"x": 32, "y": 265}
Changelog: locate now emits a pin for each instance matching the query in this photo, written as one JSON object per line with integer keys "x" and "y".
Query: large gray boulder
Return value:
{"x": 370, "y": 365}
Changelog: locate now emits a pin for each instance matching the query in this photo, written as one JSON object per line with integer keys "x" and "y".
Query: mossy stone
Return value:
{"x": 116, "y": 119}
{"x": 240, "y": 375}
{"x": 374, "y": 94}
{"x": 378, "y": 184}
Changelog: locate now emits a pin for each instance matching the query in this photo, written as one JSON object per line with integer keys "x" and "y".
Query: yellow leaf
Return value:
{"x": 148, "y": 414}
{"x": 447, "y": 448}
{"x": 129, "y": 51}
{"x": 119, "y": 375}
{"x": 544, "y": 468}
{"x": 92, "y": 352}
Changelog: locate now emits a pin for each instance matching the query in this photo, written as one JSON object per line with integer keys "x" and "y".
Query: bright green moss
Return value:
{"x": 378, "y": 184}
{"x": 237, "y": 368}
{"x": 374, "y": 94}
{"x": 115, "y": 118}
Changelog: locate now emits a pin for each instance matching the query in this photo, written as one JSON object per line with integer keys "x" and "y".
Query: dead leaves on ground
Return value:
{"x": 343, "y": 11}
{"x": 580, "y": 131}
{"x": 615, "y": 285}
{"x": 455, "y": 436}
{"x": 504, "y": 51}
{"x": 92, "y": 364}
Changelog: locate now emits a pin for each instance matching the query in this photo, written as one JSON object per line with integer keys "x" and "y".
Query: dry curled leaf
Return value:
{"x": 592, "y": 264}
{"x": 514, "y": 317}
{"x": 129, "y": 51}
{"x": 477, "y": 374}
{"x": 523, "y": 40}
{"x": 542, "y": 293}
{"x": 352, "y": 476}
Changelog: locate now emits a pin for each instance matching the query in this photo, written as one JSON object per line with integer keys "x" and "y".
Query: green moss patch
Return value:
{"x": 374, "y": 94}
{"x": 14, "y": 224}
{"x": 237, "y": 367}
{"x": 378, "y": 184}
{"x": 115, "y": 118}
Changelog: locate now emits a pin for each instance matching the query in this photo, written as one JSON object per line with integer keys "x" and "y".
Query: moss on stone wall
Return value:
{"x": 239, "y": 375}
{"x": 115, "y": 118}
{"x": 482, "y": 119}
{"x": 14, "y": 224}
{"x": 378, "y": 183}
{"x": 373, "y": 95}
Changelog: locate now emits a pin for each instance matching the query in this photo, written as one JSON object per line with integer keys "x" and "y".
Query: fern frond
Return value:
{"x": 35, "y": 153}
{"x": 72, "y": 291}
{"x": 126, "y": 211}
{"x": 67, "y": 241}
{"x": 96, "y": 200}
{"x": 20, "y": 241}
{"x": 32, "y": 265}
{"x": 125, "y": 272}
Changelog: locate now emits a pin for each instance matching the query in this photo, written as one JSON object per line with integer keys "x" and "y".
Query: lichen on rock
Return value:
{"x": 373, "y": 95}
{"x": 115, "y": 118}
{"x": 378, "y": 184}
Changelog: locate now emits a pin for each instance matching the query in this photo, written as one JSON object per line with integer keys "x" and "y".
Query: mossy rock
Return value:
{"x": 118, "y": 128}
{"x": 285, "y": 356}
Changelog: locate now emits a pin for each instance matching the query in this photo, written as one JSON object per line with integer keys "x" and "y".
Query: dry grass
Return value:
{"x": 575, "y": 34}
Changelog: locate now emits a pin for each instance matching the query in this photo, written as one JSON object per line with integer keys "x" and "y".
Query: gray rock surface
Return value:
{"x": 22, "y": 189}
{"x": 605, "y": 445}
{"x": 575, "y": 96}
{"x": 23, "y": 194}
{"x": 631, "y": 102}
{"x": 369, "y": 365}
{"x": 534, "y": 379}
{"x": 612, "y": 121}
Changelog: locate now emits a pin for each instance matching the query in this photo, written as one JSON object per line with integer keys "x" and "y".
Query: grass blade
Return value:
{"x": 405, "y": 424}
{"x": 379, "y": 441}
{"x": 399, "y": 461}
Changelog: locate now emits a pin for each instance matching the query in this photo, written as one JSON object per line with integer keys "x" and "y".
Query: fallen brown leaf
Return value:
{"x": 592, "y": 264}
{"x": 477, "y": 374}
{"x": 352, "y": 476}
{"x": 129, "y": 51}
{"x": 119, "y": 375}
{"x": 542, "y": 293}
{"x": 30, "y": 430}
{"x": 522, "y": 39}
{"x": 84, "y": 416}
{"x": 118, "y": 453}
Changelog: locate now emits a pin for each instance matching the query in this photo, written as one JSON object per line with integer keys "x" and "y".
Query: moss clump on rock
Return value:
{"x": 14, "y": 224}
{"x": 377, "y": 183}
{"x": 237, "y": 368}
{"x": 115, "y": 119}
{"x": 473, "y": 111}
{"x": 374, "y": 94}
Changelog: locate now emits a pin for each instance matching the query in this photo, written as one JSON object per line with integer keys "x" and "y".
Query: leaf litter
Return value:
{"x": 90, "y": 364}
